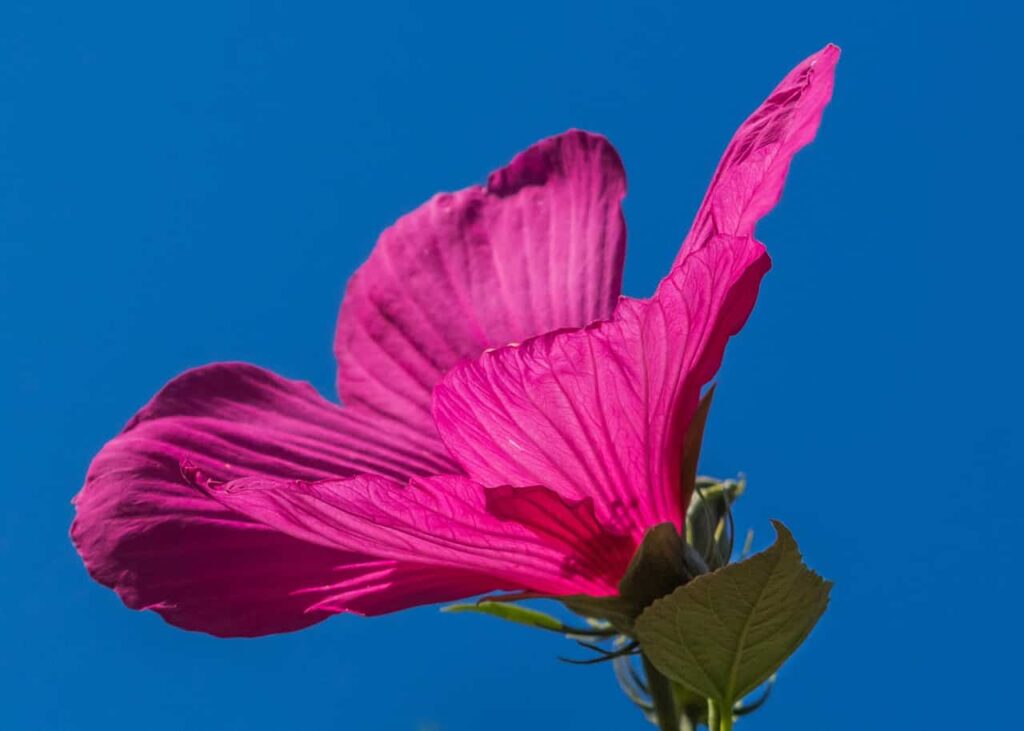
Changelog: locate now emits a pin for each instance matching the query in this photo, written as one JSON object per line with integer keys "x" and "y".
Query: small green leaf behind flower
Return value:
{"x": 709, "y": 527}
{"x": 525, "y": 616}
{"x": 725, "y": 633}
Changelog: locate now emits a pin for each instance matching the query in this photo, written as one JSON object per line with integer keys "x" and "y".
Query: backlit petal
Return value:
{"x": 144, "y": 530}
{"x": 539, "y": 248}
{"x": 752, "y": 172}
{"x": 601, "y": 412}
{"x": 524, "y": 538}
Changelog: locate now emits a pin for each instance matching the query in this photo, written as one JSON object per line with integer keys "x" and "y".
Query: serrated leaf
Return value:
{"x": 725, "y": 633}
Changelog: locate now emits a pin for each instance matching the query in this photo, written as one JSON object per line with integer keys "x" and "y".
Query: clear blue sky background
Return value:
{"x": 197, "y": 182}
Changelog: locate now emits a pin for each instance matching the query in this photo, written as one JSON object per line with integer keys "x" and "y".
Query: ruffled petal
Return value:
{"x": 602, "y": 412}
{"x": 144, "y": 530}
{"x": 539, "y": 248}
{"x": 752, "y": 172}
{"x": 524, "y": 538}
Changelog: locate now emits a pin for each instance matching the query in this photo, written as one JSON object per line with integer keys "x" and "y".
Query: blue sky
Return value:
{"x": 194, "y": 183}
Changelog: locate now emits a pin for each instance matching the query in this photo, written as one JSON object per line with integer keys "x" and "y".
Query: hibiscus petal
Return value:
{"x": 569, "y": 526}
{"x": 381, "y": 586}
{"x": 539, "y": 248}
{"x": 751, "y": 174}
{"x": 161, "y": 543}
{"x": 444, "y": 522}
{"x": 602, "y": 412}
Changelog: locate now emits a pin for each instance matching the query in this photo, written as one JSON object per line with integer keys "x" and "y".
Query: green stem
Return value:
{"x": 719, "y": 718}
{"x": 726, "y": 723}
{"x": 661, "y": 695}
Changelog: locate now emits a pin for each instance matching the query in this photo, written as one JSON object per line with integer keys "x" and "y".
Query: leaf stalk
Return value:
{"x": 661, "y": 696}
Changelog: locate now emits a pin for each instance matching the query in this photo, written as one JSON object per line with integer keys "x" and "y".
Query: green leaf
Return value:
{"x": 524, "y": 616}
{"x": 511, "y": 613}
{"x": 724, "y": 633}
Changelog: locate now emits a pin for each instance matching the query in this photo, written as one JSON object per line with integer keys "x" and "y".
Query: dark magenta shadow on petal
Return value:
{"x": 591, "y": 549}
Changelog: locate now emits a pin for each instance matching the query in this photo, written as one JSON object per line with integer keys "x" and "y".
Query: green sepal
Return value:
{"x": 707, "y": 519}
{"x": 613, "y": 609}
{"x": 724, "y": 633}
{"x": 692, "y": 441}
{"x": 661, "y": 563}
{"x": 655, "y": 569}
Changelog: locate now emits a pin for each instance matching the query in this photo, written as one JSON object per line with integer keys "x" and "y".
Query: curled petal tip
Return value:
{"x": 825, "y": 60}
{"x": 821, "y": 62}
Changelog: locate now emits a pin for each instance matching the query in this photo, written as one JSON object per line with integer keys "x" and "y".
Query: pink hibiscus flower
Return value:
{"x": 510, "y": 421}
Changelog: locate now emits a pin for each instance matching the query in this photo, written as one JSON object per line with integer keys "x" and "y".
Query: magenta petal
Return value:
{"x": 601, "y": 412}
{"x": 283, "y": 532}
{"x": 568, "y": 526}
{"x": 162, "y": 544}
{"x": 539, "y": 248}
{"x": 446, "y": 522}
{"x": 381, "y": 586}
{"x": 751, "y": 174}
